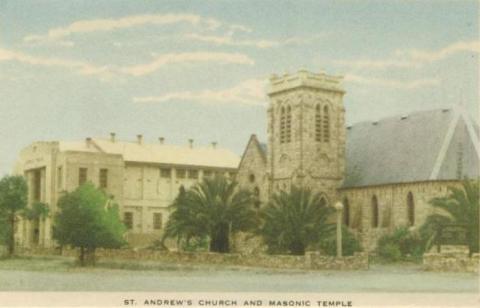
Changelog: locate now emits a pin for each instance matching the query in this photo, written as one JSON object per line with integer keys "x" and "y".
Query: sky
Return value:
{"x": 198, "y": 69}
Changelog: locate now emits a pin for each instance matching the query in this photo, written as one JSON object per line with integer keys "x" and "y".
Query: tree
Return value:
{"x": 461, "y": 207}
{"x": 13, "y": 200}
{"x": 213, "y": 208}
{"x": 294, "y": 220}
{"x": 88, "y": 219}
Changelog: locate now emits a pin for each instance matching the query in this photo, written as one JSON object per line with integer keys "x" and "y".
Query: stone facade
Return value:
{"x": 306, "y": 133}
{"x": 395, "y": 207}
{"x": 451, "y": 259}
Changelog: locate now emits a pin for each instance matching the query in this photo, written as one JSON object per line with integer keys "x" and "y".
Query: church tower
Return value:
{"x": 306, "y": 133}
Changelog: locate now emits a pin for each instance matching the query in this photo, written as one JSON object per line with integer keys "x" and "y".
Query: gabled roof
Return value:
{"x": 262, "y": 148}
{"x": 159, "y": 153}
{"x": 418, "y": 147}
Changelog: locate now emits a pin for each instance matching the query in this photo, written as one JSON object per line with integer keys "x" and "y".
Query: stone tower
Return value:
{"x": 306, "y": 133}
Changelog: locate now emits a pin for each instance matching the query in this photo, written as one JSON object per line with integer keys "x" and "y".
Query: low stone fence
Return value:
{"x": 311, "y": 260}
{"x": 454, "y": 261}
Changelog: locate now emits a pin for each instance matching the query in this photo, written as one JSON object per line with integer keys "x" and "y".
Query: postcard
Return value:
{"x": 244, "y": 153}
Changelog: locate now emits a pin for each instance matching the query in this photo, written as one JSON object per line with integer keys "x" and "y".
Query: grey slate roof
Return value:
{"x": 405, "y": 149}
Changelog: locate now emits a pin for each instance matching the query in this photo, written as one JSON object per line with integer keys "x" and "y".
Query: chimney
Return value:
{"x": 214, "y": 144}
{"x": 161, "y": 140}
{"x": 112, "y": 137}
{"x": 140, "y": 139}
{"x": 88, "y": 141}
{"x": 190, "y": 143}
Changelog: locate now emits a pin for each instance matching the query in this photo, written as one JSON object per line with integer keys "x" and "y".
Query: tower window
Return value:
{"x": 288, "y": 126}
{"x": 410, "y": 209}
{"x": 318, "y": 124}
{"x": 157, "y": 221}
{"x": 282, "y": 125}
{"x": 326, "y": 125}
{"x": 374, "y": 212}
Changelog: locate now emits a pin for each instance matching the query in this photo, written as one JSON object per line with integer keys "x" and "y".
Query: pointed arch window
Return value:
{"x": 326, "y": 124}
{"x": 410, "y": 209}
{"x": 374, "y": 212}
{"x": 282, "y": 125}
{"x": 346, "y": 212}
{"x": 318, "y": 124}
{"x": 288, "y": 125}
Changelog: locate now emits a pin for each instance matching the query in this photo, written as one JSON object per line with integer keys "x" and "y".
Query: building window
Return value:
{"x": 323, "y": 202}
{"x": 326, "y": 125}
{"x": 207, "y": 173}
{"x": 288, "y": 125}
{"x": 231, "y": 175}
{"x": 59, "y": 177}
{"x": 103, "y": 180}
{"x": 128, "y": 220}
{"x": 193, "y": 174}
{"x": 374, "y": 212}
{"x": 165, "y": 173}
{"x": 82, "y": 175}
{"x": 181, "y": 173}
{"x": 157, "y": 221}
{"x": 410, "y": 209}
{"x": 37, "y": 185}
{"x": 251, "y": 178}
{"x": 256, "y": 194}
{"x": 318, "y": 124}
{"x": 346, "y": 212}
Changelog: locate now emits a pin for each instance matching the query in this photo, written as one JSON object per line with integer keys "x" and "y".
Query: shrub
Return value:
{"x": 401, "y": 245}
{"x": 350, "y": 244}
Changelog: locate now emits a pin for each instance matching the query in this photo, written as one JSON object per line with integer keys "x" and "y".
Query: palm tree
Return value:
{"x": 294, "y": 220}
{"x": 461, "y": 207}
{"x": 215, "y": 208}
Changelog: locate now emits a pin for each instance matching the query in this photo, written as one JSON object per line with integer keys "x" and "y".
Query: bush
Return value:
{"x": 350, "y": 244}
{"x": 401, "y": 245}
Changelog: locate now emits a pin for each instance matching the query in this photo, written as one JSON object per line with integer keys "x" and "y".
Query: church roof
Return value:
{"x": 426, "y": 145}
{"x": 207, "y": 156}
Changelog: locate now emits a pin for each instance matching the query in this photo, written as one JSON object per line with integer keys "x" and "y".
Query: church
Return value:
{"x": 384, "y": 172}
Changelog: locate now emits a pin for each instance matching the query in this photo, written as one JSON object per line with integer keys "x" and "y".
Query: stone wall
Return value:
{"x": 392, "y": 207}
{"x": 454, "y": 261}
{"x": 311, "y": 261}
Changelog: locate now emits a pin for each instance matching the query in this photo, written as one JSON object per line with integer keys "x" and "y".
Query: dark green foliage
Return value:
{"x": 460, "y": 206}
{"x": 213, "y": 208}
{"x": 87, "y": 219}
{"x": 350, "y": 244}
{"x": 402, "y": 244}
{"x": 13, "y": 200}
{"x": 38, "y": 210}
{"x": 294, "y": 220}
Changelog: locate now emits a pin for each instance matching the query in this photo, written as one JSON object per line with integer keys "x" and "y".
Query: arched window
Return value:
{"x": 346, "y": 212}
{"x": 410, "y": 209}
{"x": 323, "y": 201}
{"x": 251, "y": 178}
{"x": 282, "y": 125}
{"x": 326, "y": 125}
{"x": 374, "y": 212}
{"x": 256, "y": 193}
{"x": 288, "y": 125}
{"x": 318, "y": 124}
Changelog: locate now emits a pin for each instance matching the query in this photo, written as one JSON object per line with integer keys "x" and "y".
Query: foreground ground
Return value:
{"x": 59, "y": 274}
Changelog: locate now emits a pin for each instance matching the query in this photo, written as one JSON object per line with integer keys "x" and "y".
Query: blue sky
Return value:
{"x": 197, "y": 69}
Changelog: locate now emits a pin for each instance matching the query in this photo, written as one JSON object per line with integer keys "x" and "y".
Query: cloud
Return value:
{"x": 229, "y": 40}
{"x": 82, "y": 68}
{"x": 187, "y": 57}
{"x": 249, "y": 92}
{"x": 412, "y": 58}
{"x": 111, "y": 24}
{"x": 392, "y": 83}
